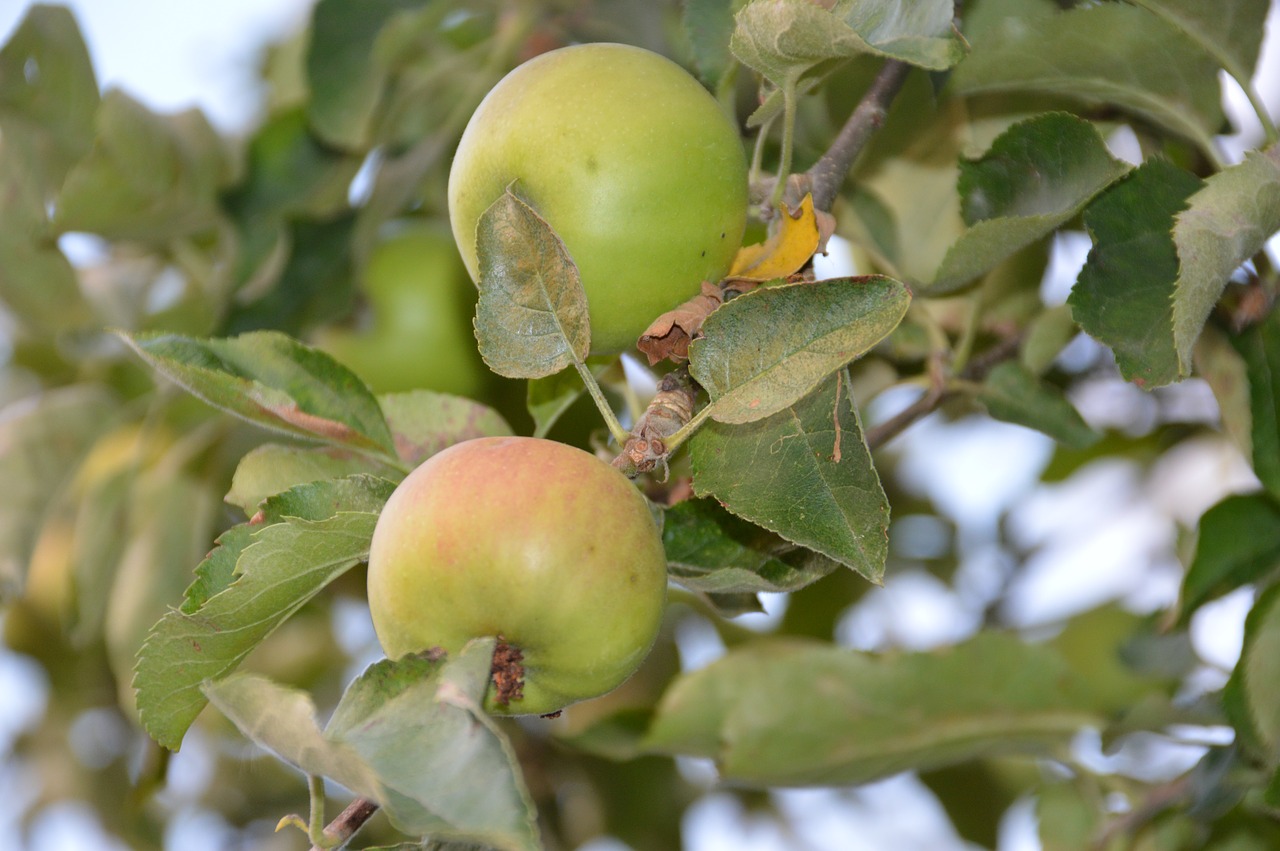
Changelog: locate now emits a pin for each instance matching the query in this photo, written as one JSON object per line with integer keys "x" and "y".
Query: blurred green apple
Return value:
{"x": 418, "y": 334}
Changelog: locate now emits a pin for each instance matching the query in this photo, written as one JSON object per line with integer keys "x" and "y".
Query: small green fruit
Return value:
{"x": 631, "y": 162}
{"x": 535, "y": 542}
{"x": 420, "y": 305}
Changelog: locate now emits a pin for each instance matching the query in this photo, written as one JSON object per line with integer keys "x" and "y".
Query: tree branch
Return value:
{"x": 350, "y": 820}
{"x": 828, "y": 173}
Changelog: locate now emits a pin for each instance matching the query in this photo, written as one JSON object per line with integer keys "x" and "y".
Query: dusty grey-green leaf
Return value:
{"x": 1099, "y": 53}
{"x": 1230, "y": 31}
{"x": 531, "y": 319}
{"x": 762, "y": 351}
{"x": 1225, "y": 223}
{"x": 283, "y": 721}
{"x": 447, "y": 770}
{"x": 794, "y": 713}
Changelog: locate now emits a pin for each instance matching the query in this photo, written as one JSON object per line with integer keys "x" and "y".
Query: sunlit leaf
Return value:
{"x": 1123, "y": 296}
{"x": 277, "y": 567}
{"x": 1100, "y": 53}
{"x": 283, "y": 720}
{"x": 762, "y": 351}
{"x": 273, "y": 468}
{"x": 274, "y": 381}
{"x": 804, "y": 473}
{"x": 784, "y": 39}
{"x": 531, "y": 320}
{"x": 1225, "y": 223}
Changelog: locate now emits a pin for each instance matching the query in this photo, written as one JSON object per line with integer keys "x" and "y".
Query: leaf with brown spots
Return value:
{"x": 272, "y": 380}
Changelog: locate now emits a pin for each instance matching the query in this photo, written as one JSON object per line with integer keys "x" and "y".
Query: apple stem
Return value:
{"x": 616, "y": 430}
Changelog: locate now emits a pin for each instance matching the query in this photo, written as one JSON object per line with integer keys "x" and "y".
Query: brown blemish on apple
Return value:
{"x": 507, "y": 672}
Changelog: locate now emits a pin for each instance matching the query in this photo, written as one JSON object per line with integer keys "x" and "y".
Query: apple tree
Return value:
{"x": 515, "y": 321}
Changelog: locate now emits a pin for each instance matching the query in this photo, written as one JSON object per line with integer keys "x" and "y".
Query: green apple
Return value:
{"x": 419, "y": 330}
{"x": 632, "y": 163}
{"x": 538, "y": 543}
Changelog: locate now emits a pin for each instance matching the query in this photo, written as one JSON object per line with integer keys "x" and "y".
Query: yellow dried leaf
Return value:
{"x": 793, "y": 241}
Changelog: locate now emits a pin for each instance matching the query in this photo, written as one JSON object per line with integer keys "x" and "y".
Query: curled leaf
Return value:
{"x": 794, "y": 238}
{"x": 670, "y": 334}
{"x": 670, "y": 410}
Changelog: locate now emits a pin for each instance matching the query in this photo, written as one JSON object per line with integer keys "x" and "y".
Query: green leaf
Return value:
{"x": 102, "y": 513}
{"x": 274, "y": 381}
{"x": 170, "y": 524}
{"x": 709, "y": 24}
{"x": 1252, "y": 695}
{"x": 784, "y": 712}
{"x": 316, "y": 284}
{"x": 548, "y": 398}
{"x": 149, "y": 177}
{"x": 785, "y": 39}
{"x": 346, "y": 80}
{"x": 762, "y": 351}
{"x": 424, "y": 422}
{"x": 283, "y": 721}
{"x": 1238, "y": 543}
{"x": 1259, "y": 346}
{"x": 288, "y": 172}
{"x": 273, "y": 468}
{"x": 531, "y": 320}
{"x": 1230, "y": 31}
{"x": 711, "y": 551}
{"x": 1068, "y": 819}
{"x": 1099, "y": 53}
{"x": 277, "y": 568}
{"x": 37, "y": 282}
{"x": 1225, "y": 223}
{"x": 48, "y": 93}
{"x": 1123, "y": 296}
{"x": 1012, "y": 394}
{"x": 804, "y": 473}
{"x": 446, "y": 769}
{"x": 1038, "y": 175}
{"x": 44, "y": 439}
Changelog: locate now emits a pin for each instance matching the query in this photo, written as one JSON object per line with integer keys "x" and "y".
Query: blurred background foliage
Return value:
{"x": 325, "y": 221}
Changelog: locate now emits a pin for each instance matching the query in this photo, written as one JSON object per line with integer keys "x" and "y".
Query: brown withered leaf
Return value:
{"x": 669, "y": 335}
